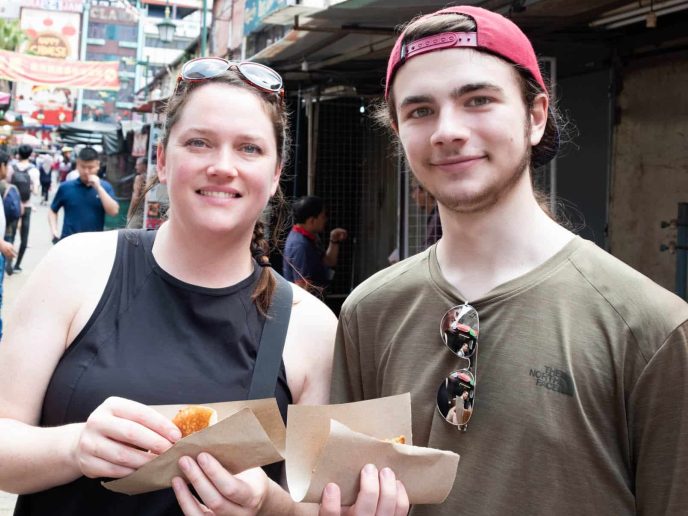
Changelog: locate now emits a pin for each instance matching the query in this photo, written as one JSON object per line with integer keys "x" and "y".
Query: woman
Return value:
{"x": 138, "y": 318}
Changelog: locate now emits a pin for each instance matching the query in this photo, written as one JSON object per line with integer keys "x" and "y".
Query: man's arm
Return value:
{"x": 337, "y": 236}
{"x": 658, "y": 428}
{"x": 55, "y": 207}
{"x": 347, "y": 378}
{"x": 110, "y": 206}
{"x": 52, "y": 220}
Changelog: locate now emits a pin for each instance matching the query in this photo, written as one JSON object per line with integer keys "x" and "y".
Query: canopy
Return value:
{"x": 91, "y": 133}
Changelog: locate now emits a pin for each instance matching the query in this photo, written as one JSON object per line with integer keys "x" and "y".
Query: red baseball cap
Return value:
{"x": 494, "y": 33}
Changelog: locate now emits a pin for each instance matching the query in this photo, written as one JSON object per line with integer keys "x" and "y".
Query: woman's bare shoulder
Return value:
{"x": 309, "y": 311}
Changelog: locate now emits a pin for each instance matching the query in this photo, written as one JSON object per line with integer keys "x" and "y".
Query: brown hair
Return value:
{"x": 385, "y": 113}
{"x": 275, "y": 109}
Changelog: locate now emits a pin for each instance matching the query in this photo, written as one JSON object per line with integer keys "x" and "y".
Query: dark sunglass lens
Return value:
{"x": 204, "y": 68}
{"x": 459, "y": 329}
{"x": 262, "y": 76}
{"x": 455, "y": 398}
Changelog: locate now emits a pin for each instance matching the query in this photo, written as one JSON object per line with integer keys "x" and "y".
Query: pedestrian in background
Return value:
{"x": 45, "y": 167}
{"x": 64, "y": 163}
{"x": 428, "y": 206}
{"x": 85, "y": 200}
{"x": 25, "y": 176}
{"x": 306, "y": 262}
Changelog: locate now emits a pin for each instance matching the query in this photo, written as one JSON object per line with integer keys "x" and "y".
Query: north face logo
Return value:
{"x": 554, "y": 379}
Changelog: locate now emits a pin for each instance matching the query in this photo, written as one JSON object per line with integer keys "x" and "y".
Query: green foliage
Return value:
{"x": 11, "y": 35}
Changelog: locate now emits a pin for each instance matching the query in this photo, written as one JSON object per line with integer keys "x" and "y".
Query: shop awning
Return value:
{"x": 91, "y": 133}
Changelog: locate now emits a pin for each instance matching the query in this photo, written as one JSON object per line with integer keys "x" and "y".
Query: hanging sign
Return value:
{"x": 89, "y": 75}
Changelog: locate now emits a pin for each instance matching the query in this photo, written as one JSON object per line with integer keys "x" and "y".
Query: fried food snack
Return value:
{"x": 194, "y": 418}
{"x": 400, "y": 439}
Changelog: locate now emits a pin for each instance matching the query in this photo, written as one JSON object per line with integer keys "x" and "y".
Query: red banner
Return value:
{"x": 88, "y": 75}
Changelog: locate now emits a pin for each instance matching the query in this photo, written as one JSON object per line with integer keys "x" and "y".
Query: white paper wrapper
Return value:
{"x": 248, "y": 434}
{"x": 332, "y": 443}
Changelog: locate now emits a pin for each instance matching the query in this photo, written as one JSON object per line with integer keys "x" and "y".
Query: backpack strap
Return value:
{"x": 272, "y": 340}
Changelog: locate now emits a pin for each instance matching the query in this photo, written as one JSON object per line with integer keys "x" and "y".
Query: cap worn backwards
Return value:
{"x": 494, "y": 33}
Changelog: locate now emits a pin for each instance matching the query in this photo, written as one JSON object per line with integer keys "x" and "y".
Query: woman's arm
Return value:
{"x": 52, "y": 308}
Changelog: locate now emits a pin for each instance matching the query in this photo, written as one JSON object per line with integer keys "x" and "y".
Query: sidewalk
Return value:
{"x": 40, "y": 242}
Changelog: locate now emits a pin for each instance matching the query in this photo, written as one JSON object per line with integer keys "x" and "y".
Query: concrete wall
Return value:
{"x": 650, "y": 164}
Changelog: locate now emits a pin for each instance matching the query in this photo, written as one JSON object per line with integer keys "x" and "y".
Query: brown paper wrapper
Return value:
{"x": 332, "y": 443}
{"x": 248, "y": 434}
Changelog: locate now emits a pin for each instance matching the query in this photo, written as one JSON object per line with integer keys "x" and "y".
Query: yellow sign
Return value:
{"x": 48, "y": 44}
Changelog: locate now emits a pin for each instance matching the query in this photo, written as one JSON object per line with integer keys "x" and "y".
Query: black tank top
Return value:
{"x": 156, "y": 340}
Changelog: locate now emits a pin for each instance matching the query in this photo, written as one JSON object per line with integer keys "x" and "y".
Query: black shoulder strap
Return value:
{"x": 274, "y": 334}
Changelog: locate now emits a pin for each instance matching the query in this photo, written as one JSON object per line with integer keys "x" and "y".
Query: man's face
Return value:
{"x": 3, "y": 171}
{"x": 140, "y": 167}
{"x": 320, "y": 222}
{"x": 464, "y": 126}
{"x": 87, "y": 168}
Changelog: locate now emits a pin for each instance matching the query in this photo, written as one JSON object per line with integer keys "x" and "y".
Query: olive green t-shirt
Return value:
{"x": 581, "y": 402}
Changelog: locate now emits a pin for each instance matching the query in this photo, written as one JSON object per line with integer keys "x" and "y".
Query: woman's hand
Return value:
{"x": 380, "y": 494}
{"x": 120, "y": 436}
{"x": 221, "y": 492}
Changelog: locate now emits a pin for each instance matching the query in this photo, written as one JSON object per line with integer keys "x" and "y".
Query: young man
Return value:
{"x": 85, "y": 200}
{"x": 305, "y": 263}
{"x": 25, "y": 176}
{"x": 580, "y": 401}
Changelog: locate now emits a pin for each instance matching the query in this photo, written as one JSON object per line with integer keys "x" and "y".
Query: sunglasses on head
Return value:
{"x": 257, "y": 75}
{"x": 459, "y": 329}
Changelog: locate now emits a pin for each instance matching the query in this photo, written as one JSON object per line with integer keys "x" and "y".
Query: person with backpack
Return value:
{"x": 6, "y": 249}
{"x": 26, "y": 177}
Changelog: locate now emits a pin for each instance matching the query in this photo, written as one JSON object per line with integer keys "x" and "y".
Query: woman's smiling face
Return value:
{"x": 220, "y": 163}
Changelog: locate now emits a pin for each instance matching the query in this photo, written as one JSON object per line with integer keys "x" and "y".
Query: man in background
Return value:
{"x": 305, "y": 261}
{"x": 428, "y": 206}
{"x": 85, "y": 199}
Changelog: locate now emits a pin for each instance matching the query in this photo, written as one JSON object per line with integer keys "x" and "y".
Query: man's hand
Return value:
{"x": 338, "y": 235}
{"x": 7, "y": 249}
{"x": 93, "y": 181}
